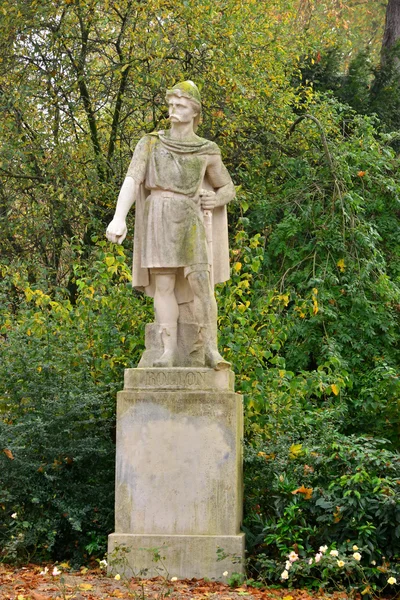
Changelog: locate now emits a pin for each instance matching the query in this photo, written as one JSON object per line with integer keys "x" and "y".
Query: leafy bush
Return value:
{"x": 327, "y": 208}
{"x": 61, "y": 366}
{"x": 312, "y": 486}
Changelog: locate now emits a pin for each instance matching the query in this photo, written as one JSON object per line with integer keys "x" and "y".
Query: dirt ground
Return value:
{"x": 30, "y": 583}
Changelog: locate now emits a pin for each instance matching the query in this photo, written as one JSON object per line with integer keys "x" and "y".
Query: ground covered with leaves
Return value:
{"x": 31, "y": 583}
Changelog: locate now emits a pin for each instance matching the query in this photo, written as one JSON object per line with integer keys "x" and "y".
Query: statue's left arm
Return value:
{"x": 219, "y": 178}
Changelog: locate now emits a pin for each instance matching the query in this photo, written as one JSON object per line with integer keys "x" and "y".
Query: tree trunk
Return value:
{"x": 392, "y": 31}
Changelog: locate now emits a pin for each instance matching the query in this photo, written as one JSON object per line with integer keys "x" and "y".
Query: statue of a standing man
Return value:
{"x": 181, "y": 189}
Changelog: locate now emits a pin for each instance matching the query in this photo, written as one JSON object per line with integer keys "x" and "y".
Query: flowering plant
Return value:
{"x": 339, "y": 568}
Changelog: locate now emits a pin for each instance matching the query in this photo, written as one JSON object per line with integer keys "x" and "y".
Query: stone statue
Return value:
{"x": 181, "y": 189}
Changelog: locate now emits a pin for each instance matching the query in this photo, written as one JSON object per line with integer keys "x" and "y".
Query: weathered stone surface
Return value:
{"x": 181, "y": 188}
{"x": 186, "y": 556}
{"x": 179, "y": 468}
{"x": 179, "y": 379}
{"x": 188, "y": 354}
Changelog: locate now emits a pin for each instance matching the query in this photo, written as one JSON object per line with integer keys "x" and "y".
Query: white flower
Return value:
{"x": 117, "y": 577}
{"x": 392, "y": 580}
{"x": 176, "y": 579}
{"x": 285, "y": 575}
{"x": 334, "y": 553}
{"x": 293, "y": 556}
{"x": 355, "y": 548}
{"x": 44, "y": 572}
{"x": 310, "y": 561}
{"x": 56, "y": 572}
{"x": 357, "y": 556}
{"x": 340, "y": 563}
{"x": 373, "y": 562}
{"x": 288, "y": 565}
{"x": 318, "y": 557}
{"x": 14, "y": 516}
{"x": 103, "y": 564}
{"x": 323, "y": 549}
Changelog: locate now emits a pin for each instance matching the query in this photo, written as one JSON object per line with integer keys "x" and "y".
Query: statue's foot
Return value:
{"x": 166, "y": 360}
{"x": 214, "y": 360}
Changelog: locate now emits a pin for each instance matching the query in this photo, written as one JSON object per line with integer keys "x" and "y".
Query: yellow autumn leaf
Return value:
{"x": 335, "y": 389}
{"x": 366, "y": 590}
{"x": 85, "y": 586}
{"x": 295, "y": 450}
{"x": 237, "y": 266}
{"x": 284, "y": 298}
{"x": 341, "y": 264}
{"x": 110, "y": 261}
{"x": 287, "y": 598}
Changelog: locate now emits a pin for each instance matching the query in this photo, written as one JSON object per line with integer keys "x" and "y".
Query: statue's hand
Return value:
{"x": 116, "y": 231}
{"x": 208, "y": 199}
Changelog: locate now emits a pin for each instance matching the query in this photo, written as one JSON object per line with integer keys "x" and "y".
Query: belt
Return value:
{"x": 164, "y": 194}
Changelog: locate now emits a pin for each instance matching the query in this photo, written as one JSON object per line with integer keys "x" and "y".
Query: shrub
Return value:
{"x": 61, "y": 366}
{"x": 312, "y": 486}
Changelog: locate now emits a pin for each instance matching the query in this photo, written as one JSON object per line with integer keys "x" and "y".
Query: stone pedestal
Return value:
{"x": 179, "y": 471}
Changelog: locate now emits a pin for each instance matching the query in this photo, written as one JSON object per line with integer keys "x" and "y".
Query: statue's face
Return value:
{"x": 181, "y": 110}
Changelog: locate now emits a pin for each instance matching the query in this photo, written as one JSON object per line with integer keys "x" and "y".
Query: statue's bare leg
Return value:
{"x": 167, "y": 312}
{"x": 205, "y": 310}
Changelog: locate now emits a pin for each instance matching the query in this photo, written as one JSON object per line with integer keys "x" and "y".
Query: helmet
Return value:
{"x": 188, "y": 89}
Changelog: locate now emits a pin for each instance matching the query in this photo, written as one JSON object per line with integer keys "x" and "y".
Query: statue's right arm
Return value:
{"x": 117, "y": 230}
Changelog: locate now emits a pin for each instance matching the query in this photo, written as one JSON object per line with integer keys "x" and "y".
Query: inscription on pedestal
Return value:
{"x": 162, "y": 379}
{"x": 178, "y": 379}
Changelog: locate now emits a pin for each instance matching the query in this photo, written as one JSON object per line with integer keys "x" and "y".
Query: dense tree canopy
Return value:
{"x": 80, "y": 81}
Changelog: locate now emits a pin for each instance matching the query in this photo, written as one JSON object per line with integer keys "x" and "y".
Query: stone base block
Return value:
{"x": 178, "y": 473}
{"x": 179, "y": 459}
{"x": 186, "y": 556}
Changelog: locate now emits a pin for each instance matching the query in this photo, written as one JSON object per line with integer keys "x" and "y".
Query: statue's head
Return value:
{"x": 189, "y": 90}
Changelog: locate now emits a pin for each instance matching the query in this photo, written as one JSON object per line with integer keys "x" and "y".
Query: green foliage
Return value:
{"x": 330, "y": 218}
{"x": 313, "y": 486}
{"x": 61, "y": 366}
{"x": 369, "y": 87}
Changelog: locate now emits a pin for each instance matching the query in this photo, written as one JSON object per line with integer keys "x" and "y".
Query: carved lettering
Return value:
{"x": 150, "y": 379}
{"x": 178, "y": 379}
{"x": 190, "y": 378}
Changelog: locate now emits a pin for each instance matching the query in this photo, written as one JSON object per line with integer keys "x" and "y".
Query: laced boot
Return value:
{"x": 212, "y": 357}
{"x": 169, "y": 339}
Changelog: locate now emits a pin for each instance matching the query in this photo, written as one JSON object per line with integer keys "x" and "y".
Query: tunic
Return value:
{"x": 169, "y": 230}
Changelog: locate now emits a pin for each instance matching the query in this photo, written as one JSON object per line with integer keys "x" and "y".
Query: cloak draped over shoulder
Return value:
{"x": 162, "y": 164}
